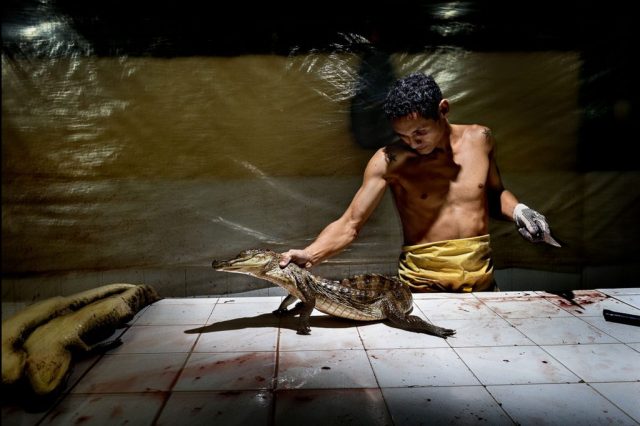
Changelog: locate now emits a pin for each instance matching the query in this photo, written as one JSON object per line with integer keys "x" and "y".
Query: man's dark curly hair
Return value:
{"x": 415, "y": 93}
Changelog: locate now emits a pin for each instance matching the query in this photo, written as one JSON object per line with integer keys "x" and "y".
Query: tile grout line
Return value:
{"x": 498, "y": 403}
{"x": 169, "y": 391}
{"x": 581, "y": 318}
{"x": 613, "y": 403}
{"x": 375, "y": 376}
{"x": 582, "y": 380}
{"x": 622, "y": 301}
{"x": 272, "y": 414}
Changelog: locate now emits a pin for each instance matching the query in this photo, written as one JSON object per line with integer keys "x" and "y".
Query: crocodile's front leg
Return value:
{"x": 282, "y": 309}
{"x": 412, "y": 322}
{"x": 306, "y": 306}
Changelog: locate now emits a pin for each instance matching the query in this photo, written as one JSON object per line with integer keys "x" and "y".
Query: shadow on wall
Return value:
{"x": 117, "y": 162}
{"x": 371, "y": 129}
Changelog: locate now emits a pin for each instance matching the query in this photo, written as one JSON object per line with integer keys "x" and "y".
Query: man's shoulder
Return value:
{"x": 478, "y": 131}
{"x": 395, "y": 152}
{"x": 477, "y": 134}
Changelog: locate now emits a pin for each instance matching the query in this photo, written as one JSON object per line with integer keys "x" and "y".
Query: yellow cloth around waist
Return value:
{"x": 461, "y": 265}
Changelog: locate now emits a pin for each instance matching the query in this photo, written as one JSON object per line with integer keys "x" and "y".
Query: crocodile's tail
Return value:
{"x": 412, "y": 322}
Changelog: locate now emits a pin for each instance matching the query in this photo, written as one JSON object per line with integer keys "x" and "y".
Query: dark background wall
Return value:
{"x": 148, "y": 138}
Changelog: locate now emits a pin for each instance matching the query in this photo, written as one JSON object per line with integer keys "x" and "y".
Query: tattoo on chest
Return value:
{"x": 487, "y": 133}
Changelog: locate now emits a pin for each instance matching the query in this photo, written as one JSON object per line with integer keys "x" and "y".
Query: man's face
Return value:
{"x": 423, "y": 135}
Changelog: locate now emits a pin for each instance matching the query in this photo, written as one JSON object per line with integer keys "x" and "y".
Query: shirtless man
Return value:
{"x": 445, "y": 183}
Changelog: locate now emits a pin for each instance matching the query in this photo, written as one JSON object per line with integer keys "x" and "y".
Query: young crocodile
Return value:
{"x": 362, "y": 297}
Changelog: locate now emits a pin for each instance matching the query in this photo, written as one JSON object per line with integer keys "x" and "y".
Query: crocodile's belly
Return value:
{"x": 370, "y": 312}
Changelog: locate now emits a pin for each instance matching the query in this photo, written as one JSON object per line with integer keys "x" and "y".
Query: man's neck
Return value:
{"x": 444, "y": 143}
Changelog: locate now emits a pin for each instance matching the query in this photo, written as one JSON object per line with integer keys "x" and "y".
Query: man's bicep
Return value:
{"x": 495, "y": 187}
{"x": 369, "y": 194}
{"x": 494, "y": 179}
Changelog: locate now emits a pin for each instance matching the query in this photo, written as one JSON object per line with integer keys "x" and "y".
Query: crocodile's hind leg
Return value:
{"x": 412, "y": 322}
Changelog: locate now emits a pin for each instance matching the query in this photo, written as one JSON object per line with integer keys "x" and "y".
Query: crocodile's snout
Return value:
{"x": 219, "y": 264}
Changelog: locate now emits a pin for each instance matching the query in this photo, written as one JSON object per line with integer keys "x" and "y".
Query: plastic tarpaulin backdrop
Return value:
{"x": 115, "y": 159}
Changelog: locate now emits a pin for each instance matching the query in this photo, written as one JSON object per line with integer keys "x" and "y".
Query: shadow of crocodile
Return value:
{"x": 270, "y": 320}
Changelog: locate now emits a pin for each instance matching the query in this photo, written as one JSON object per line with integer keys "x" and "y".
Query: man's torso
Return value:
{"x": 442, "y": 195}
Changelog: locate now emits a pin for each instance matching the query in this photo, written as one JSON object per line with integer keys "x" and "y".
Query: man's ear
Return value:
{"x": 443, "y": 107}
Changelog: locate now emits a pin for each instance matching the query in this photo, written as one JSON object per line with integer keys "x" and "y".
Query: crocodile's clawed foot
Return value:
{"x": 444, "y": 332}
{"x": 304, "y": 329}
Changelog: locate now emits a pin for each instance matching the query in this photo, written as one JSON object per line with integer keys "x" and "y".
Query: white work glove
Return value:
{"x": 532, "y": 225}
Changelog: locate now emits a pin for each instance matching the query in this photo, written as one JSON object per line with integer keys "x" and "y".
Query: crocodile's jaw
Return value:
{"x": 238, "y": 266}
{"x": 252, "y": 262}
{"x": 244, "y": 264}
{"x": 263, "y": 265}
{"x": 258, "y": 270}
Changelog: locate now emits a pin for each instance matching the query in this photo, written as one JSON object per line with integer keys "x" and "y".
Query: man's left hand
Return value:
{"x": 532, "y": 225}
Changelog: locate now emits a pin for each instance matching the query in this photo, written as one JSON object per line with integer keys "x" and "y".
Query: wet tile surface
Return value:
{"x": 132, "y": 373}
{"x": 325, "y": 370}
{"x": 623, "y": 395}
{"x": 420, "y": 367}
{"x": 227, "y": 371}
{"x": 560, "y": 331}
{"x": 558, "y": 404}
{"x": 311, "y": 407}
{"x": 145, "y": 339}
{"x": 517, "y": 358}
{"x": 446, "y": 405}
{"x": 510, "y": 365}
{"x": 599, "y": 363}
{"x": 102, "y": 409}
{"x": 229, "y": 408}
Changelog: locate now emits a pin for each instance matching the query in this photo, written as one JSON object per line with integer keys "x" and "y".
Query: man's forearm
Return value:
{"x": 501, "y": 204}
{"x": 333, "y": 239}
{"x": 508, "y": 202}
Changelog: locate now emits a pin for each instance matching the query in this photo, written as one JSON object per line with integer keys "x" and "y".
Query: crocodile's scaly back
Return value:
{"x": 361, "y": 297}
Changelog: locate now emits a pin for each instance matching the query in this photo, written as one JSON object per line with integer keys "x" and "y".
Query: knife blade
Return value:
{"x": 547, "y": 238}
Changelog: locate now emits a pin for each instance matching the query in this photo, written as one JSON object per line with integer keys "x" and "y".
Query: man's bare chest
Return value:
{"x": 440, "y": 181}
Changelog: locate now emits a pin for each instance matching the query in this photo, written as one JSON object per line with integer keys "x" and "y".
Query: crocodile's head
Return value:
{"x": 252, "y": 262}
